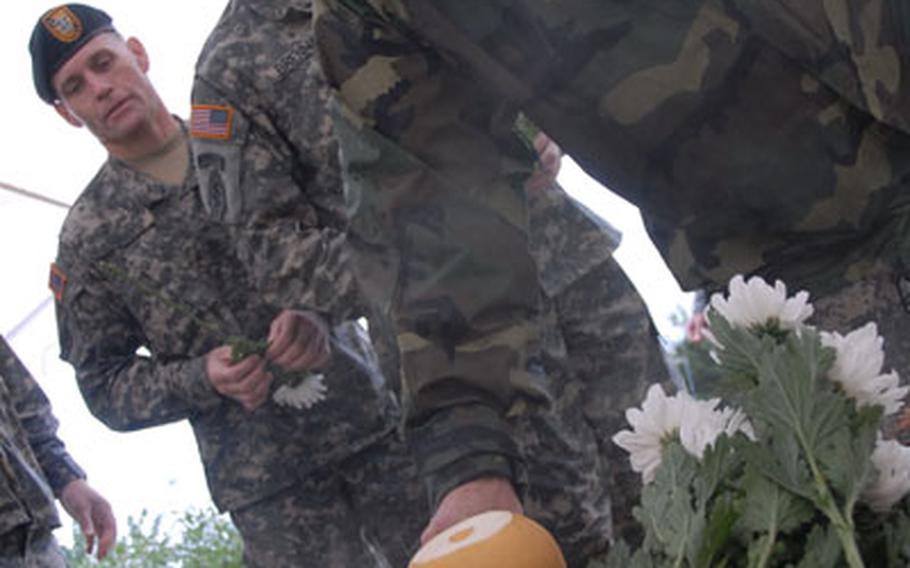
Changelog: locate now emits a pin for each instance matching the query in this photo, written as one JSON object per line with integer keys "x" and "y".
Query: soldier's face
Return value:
{"x": 104, "y": 87}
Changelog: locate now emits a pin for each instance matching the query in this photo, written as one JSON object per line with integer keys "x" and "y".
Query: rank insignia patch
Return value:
{"x": 211, "y": 121}
{"x": 57, "y": 282}
{"x": 63, "y": 24}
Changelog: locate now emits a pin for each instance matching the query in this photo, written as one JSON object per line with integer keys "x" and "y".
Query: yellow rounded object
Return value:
{"x": 495, "y": 539}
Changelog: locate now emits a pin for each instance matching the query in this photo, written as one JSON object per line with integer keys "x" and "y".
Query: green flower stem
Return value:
{"x": 680, "y": 558}
{"x": 844, "y": 526}
{"x": 825, "y": 500}
{"x": 765, "y": 557}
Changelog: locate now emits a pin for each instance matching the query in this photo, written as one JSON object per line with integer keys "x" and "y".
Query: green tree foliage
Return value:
{"x": 204, "y": 539}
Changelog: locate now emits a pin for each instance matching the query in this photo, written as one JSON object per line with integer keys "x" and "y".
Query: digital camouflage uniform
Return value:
{"x": 445, "y": 253}
{"x": 140, "y": 265}
{"x": 35, "y": 468}
{"x": 757, "y": 136}
{"x": 601, "y": 353}
{"x": 273, "y": 181}
{"x": 253, "y": 70}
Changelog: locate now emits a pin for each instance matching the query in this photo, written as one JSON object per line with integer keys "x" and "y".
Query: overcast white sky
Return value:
{"x": 156, "y": 469}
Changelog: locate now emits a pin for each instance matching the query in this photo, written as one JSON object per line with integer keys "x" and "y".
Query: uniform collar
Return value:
{"x": 152, "y": 191}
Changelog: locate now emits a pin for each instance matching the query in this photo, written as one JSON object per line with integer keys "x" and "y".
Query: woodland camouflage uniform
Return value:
{"x": 757, "y": 137}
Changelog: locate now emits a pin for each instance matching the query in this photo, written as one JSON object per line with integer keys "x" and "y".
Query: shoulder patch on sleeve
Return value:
{"x": 212, "y": 122}
{"x": 57, "y": 281}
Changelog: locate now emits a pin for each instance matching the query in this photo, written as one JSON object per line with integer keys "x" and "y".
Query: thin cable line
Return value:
{"x": 33, "y": 195}
{"x": 28, "y": 319}
{"x": 44, "y": 303}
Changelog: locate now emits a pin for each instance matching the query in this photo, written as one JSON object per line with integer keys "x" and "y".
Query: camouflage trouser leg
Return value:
{"x": 566, "y": 485}
{"x": 367, "y": 510}
{"x": 612, "y": 348}
{"x": 389, "y": 499}
{"x": 23, "y": 549}
{"x": 875, "y": 298}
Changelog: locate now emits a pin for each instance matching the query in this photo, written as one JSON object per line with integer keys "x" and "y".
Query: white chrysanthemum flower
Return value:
{"x": 891, "y": 482}
{"x": 756, "y": 305}
{"x": 695, "y": 423}
{"x": 702, "y": 423}
{"x": 658, "y": 419}
{"x": 304, "y": 394}
{"x": 737, "y": 421}
{"x": 857, "y": 368}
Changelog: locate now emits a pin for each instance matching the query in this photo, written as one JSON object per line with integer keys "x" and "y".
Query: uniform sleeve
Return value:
{"x": 274, "y": 204}
{"x": 439, "y": 237}
{"x": 122, "y": 388}
{"x": 859, "y": 49}
{"x": 34, "y": 412}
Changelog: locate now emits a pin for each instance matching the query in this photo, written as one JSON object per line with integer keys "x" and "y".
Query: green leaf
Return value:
{"x": 768, "y": 513}
{"x": 845, "y": 454}
{"x": 666, "y": 510}
{"x": 719, "y": 463}
{"x": 895, "y": 547}
{"x": 768, "y": 508}
{"x": 758, "y": 551}
{"x": 714, "y": 538}
{"x": 742, "y": 350}
{"x": 822, "y": 548}
{"x": 242, "y": 347}
{"x": 694, "y": 545}
{"x": 777, "y": 456}
{"x": 620, "y": 557}
{"x": 704, "y": 377}
{"x": 798, "y": 407}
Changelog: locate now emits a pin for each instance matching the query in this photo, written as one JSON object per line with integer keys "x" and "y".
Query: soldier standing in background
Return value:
{"x": 274, "y": 179}
{"x": 599, "y": 351}
{"x": 140, "y": 265}
{"x": 757, "y": 137}
{"x": 34, "y": 469}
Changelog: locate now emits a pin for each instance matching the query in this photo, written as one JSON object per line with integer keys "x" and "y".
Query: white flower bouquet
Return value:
{"x": 788, "y": 466}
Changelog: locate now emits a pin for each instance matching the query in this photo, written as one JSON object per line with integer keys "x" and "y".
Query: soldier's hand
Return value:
{"x": 549, "y": 157}
{"x": 93, "y": 514}
{"x": 246, "y": 381}
{"x": 298, "y": 341}
{"x": 472, "y": 498}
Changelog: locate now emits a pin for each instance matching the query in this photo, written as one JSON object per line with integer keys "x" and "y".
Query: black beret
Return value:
{"x": 58, "y": 35}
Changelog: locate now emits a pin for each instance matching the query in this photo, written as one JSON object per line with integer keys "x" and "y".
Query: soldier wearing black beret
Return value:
{"x": 60, "y": 33}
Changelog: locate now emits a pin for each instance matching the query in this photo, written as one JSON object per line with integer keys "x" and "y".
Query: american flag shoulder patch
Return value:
{"x": 212, "y": 122}
{"x": 57, "y": 281}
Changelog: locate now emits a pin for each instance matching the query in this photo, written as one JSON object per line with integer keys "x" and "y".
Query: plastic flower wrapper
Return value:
{"x": 802, "y": 485}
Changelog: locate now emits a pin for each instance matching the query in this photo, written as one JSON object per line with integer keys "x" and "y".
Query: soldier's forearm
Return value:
{"x": 145, "y": 393}
{"x": 463, "y": 443}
